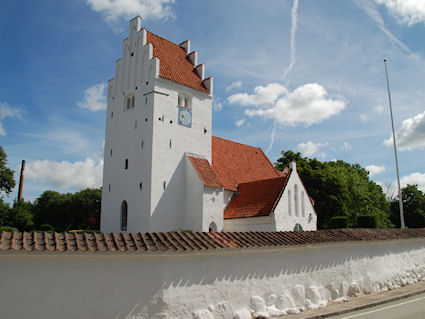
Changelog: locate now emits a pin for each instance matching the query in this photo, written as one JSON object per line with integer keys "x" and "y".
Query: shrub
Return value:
{"x": 339, "y": 222}
{"x": 47, "y": 227}
{"x": 367, "y": 221}
{"x": 8, "y": 229}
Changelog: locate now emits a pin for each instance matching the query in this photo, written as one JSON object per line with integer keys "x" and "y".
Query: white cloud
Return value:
{"x": 66, "y": 174}
{"x": 414, "y": 179}
{"x": 411, "y": 134}
{"x": 347, "y": 146}
{"x": 311, "y": 148}
{"x": 308, "y": 104}
{"x": 234, "y": 85}
{"x": 8, "y": 111}
{"x": 94, "y": 98}
{"x": 406, "y": 11}
{"x": 263, "y": 95}
{"x": 239, "y": 123}
{"x": 375, "y": 169}
{"x": 216, "y": 104}
{"x": 127, "y": 9}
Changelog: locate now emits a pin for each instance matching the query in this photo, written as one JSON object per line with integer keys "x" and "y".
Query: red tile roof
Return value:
{"x": 254, "y": 199}
{"x": 189, "y": 241}
{"x": 174, "y": 64}
{"x": 236, "y": 163}
{"x": 205, "y": 172}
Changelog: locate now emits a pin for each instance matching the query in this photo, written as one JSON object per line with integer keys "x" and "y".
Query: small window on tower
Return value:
{"x": 126, "y": 163}
{"x": 129, "y": 102}
{"x": 184, "y": 101}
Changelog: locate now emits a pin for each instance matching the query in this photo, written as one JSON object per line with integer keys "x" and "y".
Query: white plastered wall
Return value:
{"x": 212, "y": 211}
{"x": 168, "y": 163}
{"x": 128, "y": 135}
{"x": 213, "y": 284}
{"x": 149, "y": 136}
{"x": 287, "y": 214}
{"x": 262, "y": 223}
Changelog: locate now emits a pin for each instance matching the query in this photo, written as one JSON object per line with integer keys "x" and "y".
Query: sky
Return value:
{"x": 300, "y": 75}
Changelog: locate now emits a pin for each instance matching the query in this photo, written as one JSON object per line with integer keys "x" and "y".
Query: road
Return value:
{"x": 408, "y": 308}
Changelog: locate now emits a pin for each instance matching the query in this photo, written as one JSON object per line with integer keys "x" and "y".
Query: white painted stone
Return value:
{"x": 299, "y": 295}
{"x": 243, "y": 314}
{"x": 285, "y": 301}
{"x": 258, "y": 306}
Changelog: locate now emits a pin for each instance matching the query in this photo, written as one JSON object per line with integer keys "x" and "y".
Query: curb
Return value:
{"x": 369, "y": 305}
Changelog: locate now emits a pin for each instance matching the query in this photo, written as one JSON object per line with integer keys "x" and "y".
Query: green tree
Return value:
{"x": 339, "y": 189}
{"x": 7, "y": 183}
{"x": 18, "y": 216}
{"x": 68, "y": 211}
{"x": 413, "y": 207}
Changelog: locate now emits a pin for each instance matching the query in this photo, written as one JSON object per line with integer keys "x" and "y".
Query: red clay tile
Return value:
{"x": 258, "y": 198}
{"x": 174, "y": 64}
{"x": 235, "y": 163}
{"x": 205, "y": 172}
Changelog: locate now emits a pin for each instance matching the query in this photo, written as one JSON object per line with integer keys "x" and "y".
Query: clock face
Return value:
{"x": 185, "y": 117}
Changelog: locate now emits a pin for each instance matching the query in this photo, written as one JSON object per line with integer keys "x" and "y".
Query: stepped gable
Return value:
{"x": 189, "y": 241}
{"x": 258, "y": 198}
{"x": 174, "y": 63}
{"x": 236, "y": 163}
{"x": 205, "y": 172}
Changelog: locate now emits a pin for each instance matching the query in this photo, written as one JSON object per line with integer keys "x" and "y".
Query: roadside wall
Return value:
{"x": 216, "y": 283}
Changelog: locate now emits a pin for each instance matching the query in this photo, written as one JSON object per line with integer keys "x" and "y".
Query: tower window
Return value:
{"x": 112, "y": 115}
{"x": 129, "y": 102}
{"x": 170, "y": 144}
{"x": 142, "y": 145}
{"x": 146, "y": 100}
{"x": 184, "y": 101}
{"x": 141, "y": 186}
{"x": 109, "y": 187}
{"x": 164, "y": 185}
{"x": 110, "y": 151}
{"x": 126, "y": 163}
{"x": 205, "y": 130}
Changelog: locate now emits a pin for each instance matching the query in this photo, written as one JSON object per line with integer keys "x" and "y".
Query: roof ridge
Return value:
{"x": 162, "y": 38}
{"x": 264, "y": 180}
{"x": 224, "y": 139}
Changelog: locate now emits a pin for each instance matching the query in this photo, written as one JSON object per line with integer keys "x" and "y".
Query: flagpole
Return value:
{"x": 400, "y": 197}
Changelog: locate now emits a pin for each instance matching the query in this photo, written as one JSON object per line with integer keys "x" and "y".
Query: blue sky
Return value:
{"x": 300, "y": 75}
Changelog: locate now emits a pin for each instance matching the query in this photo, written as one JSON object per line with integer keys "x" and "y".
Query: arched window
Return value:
{"x": 124, "y": 213}
{"x": 298, "y": 227}
{"x": 302, "y": 204}
{"x": 129, "y": 102}
{"x": 213, "y": 227}
{"x": 297, "y": 213}
{"x": 289, "y": 203}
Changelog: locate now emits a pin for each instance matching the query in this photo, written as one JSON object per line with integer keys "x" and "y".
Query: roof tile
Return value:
{"x": 235, "y": 163}
{"x": 187, "y": 242}
{"x": 205, "y": 172}
{"x": 254, "y": 199}
{"x": 174, "y": 64}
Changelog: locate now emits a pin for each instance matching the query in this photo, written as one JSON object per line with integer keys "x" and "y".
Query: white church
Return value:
{"x": 164, "y": 171}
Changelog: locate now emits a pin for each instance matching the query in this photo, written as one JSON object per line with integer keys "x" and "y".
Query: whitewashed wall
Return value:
{"x": 287, "y": 216}
{"x": 213, "y": 284}
{"x": 262, "y": 223}
{"x": 154, "y": 122}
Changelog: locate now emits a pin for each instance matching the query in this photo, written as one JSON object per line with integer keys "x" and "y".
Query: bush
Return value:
{"x": 8, "y": 229}
{"x": 339, "y": 222}
{"x": 367, "y": 221}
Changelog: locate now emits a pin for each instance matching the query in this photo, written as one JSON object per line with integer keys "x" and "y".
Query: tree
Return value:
{"x": 18, "y": 216}
{"x": 7, "y": 183}
{"x": 413, "y": 207}
{"x": 339, "y": 189}
{"x": 68, "y": 211}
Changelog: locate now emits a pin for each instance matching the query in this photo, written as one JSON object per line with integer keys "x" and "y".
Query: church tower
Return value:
{"x": 159, "y": 110}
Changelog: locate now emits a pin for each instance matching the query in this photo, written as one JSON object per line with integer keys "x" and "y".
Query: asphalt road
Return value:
{"x": 408, "y": 308}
